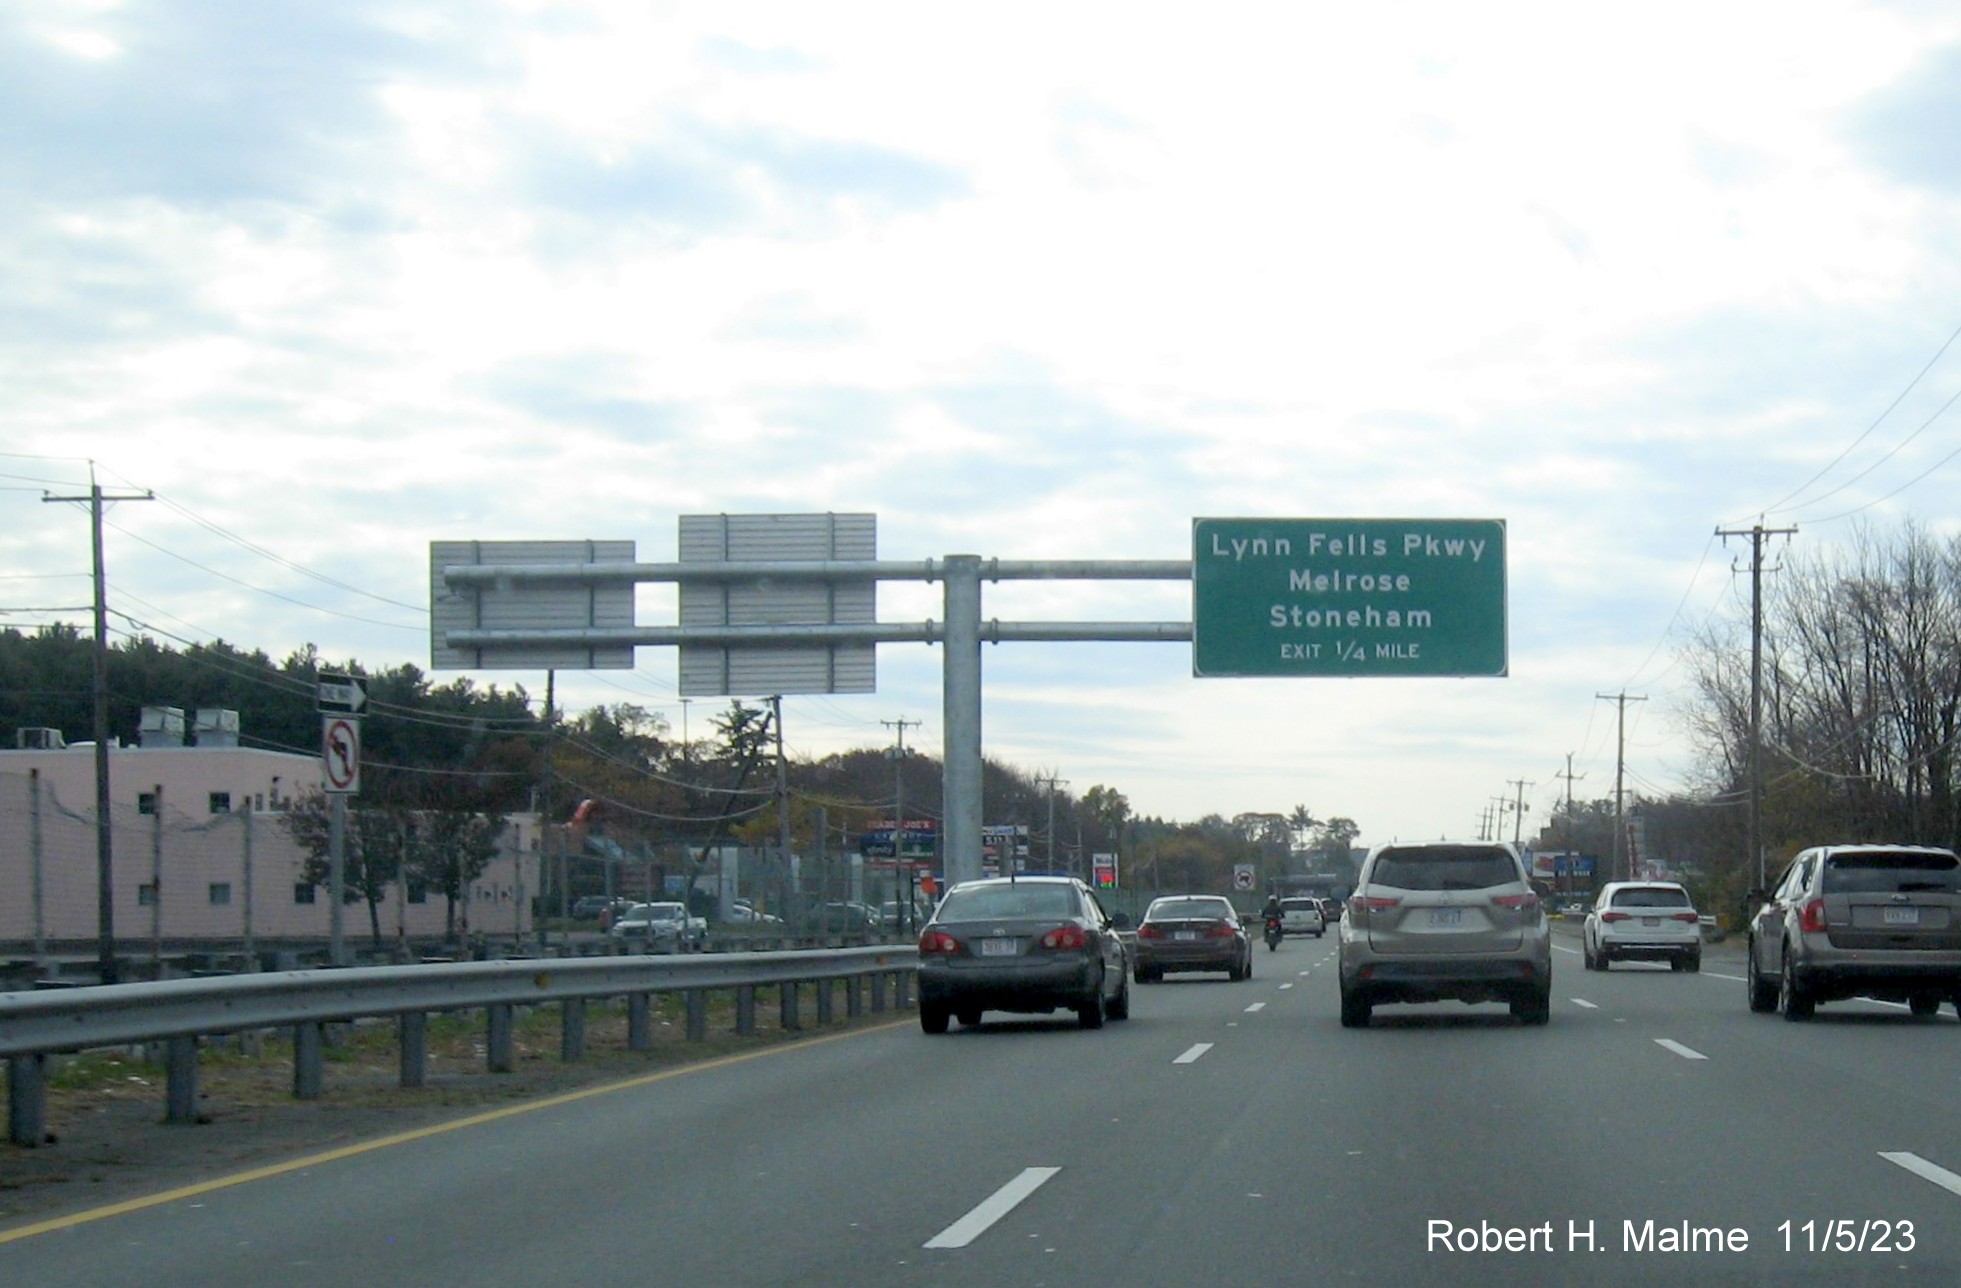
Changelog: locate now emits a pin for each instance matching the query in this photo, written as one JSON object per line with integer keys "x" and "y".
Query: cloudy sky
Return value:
{"x": 1028, "y": 281}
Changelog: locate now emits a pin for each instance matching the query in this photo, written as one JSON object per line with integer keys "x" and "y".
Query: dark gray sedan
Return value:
{"x": 1031, "y": 945}
{"x": 1193, "y": 932}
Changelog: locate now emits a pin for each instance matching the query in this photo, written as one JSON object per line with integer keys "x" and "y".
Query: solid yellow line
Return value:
{"x": 401, "y": 1138}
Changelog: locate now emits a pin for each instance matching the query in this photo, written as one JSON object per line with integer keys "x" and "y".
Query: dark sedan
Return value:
{"x": 1031, "y": 945}
{"x": 1192, "y": 932}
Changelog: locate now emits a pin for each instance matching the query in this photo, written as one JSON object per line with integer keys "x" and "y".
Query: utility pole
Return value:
{"x": 1518, "y": 809}
{"x": 782, "y": 798}
{"x": 898, "y": 754}
{"x": 105, "y": 904}
{"x": 1756, "y": 533}
{"x": 1052, "y": 780}
{"x": 1572, "y": 855}
{"x": 1615, "y": 872}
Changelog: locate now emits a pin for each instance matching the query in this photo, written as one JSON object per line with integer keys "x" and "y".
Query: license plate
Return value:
{"x": 1184, "y": 936}
{"x": 1651, "y": 921}
{"x": 1446, "y": 916}
{"x": 997, "y": 947}
{"x": 1902, "y": 916}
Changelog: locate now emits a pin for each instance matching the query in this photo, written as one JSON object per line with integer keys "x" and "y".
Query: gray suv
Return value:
{"x": 1445, "y": 920}
{"x": 1880, "y": 921}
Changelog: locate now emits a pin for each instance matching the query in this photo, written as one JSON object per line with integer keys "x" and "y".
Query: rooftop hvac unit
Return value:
{"x": 216, "y": 727}
{"x": 161, "y": 727}
{"x": 39, "y": 739}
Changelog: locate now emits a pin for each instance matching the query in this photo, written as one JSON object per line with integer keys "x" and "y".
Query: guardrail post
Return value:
{"x": 27, "y": 1099}
{"x": 902, "y": 990}
{"x": 639, "y": 1022}
{"x": 180, "y": 1080}
{"x": 308, "y": 1060}
{"x": 790, "y": 1021}
{"x": 412, "y": 1030}
{"x": 572, "y": 1031}
{"x": 697, "y": 1007}
{"x": 824, "y": 1007}
{"x": 878, "y": 992}
{"x": 500, "y": 1044}
{"x": 745, "y": 1010}
{"x": 854, "y": 996}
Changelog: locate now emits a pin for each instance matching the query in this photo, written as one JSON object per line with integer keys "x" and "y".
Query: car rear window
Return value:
{"x": 1444, "y": 867}
{"x": 1189, "y": 909}
{"x": 1651, "y": 897}
{"x": 1891, "y": 872}
{"x": 1008, "y": 902}
{"x": 1301, "y": 905}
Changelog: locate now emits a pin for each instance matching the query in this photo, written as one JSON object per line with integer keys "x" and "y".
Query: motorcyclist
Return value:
{"x": 1271, "y": 920}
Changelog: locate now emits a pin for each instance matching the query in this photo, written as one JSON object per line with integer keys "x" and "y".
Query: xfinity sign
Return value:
{"x": 1348, "y": 597}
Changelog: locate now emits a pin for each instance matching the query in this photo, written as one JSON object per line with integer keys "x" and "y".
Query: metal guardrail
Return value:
{"x": 34, "y": 1025}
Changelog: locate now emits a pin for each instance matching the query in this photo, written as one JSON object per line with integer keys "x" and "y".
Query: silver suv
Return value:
{"x": 1441, "y": 920}
{"x": 1881, "y": 921}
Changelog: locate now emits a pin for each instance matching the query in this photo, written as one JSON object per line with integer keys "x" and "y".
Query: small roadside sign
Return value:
{"x": 341, "y": 692}
{"x": 340, "y": 754}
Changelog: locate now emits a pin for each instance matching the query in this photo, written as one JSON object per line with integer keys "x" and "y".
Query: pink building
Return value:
{"x": 199, "y": 849}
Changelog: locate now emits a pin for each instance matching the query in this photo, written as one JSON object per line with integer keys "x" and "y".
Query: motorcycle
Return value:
{"x": 1273, "y": 933}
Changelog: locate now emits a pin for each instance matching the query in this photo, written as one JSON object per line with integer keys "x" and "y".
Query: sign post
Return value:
{"x": 340, "y": 763}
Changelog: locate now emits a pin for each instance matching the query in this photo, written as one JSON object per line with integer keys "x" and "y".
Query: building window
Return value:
{"x": 146, "y": 895}
{"x": 302, "y": 893}
{"x": 146, "y": 803}
{"x": 221, "y": 802}
{"x": 221, "y": 894}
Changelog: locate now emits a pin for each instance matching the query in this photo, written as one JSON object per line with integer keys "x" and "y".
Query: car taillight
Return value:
{"x": 1811, "y": 918}
{"x": 1066, "y": 937}
{"x": 1689, "y": 917}
{"x": 1372, "y": 903}
{"x": 938, "y": 941}
{"x": 1528, "y": 900}
{"x": 1223, "y": 930}
{"x": 1148, "y": 931}
{"x": 1616, "y": 916}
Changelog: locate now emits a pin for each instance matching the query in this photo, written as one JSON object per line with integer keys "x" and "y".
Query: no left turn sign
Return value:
{"x": 340, "y": 753}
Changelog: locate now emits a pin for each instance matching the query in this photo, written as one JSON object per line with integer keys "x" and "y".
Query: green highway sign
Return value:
{"x": 1349, "y": 597}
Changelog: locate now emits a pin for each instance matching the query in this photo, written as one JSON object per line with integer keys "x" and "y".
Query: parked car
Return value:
{"x": 1029, "y": 945}
{"x": 1642, "y": 921}
{"x": 589, "y": 906}
{"x": 1302, "y": 915}
{"x": 1445, "y": 920}
{"x": 846, "y": 917}
{"x": 744, "y": 913}
{"x": 660, "y": 928}
{"x": 1880, "y": 921}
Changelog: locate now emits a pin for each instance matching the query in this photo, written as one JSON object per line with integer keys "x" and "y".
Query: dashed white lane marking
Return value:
{"x": 1581, "y": 1001}
{"x": 1924, "y": 1170}
{"x": 992, "y": 1209}
{"x": 1562, "y": 948}
{"x": 1285, "y": 987}
{"x": 1734, "y": 979}
{"x": 1257, "y": 1006}
{"x": 1687, "y": 1053}
{"x": 1192, "y": 1055}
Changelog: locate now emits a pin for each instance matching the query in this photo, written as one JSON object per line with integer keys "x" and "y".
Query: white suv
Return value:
{"x": 1302, "y": 916}
{"x": 1646, "y": 921}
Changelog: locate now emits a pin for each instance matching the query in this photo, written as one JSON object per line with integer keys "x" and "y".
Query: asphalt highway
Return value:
{"x": 1655, "y": 1132}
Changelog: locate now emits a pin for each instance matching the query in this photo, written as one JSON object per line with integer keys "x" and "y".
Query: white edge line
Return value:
{"x": 992, "y": 1209}
{"x": 1581, "y": 1001}
{"x": 1925, "y": 1170}
{"x": 1687, "y": 1053}
{"x": 1192, "y": 1053}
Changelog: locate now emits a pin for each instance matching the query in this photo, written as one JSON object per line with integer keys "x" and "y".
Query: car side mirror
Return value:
{"x": 1120, "y": 921}
{"x": 1759, "y": 895}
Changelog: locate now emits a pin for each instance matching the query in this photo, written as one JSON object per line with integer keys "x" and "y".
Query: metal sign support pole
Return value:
{"x": 962, "y": 690}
